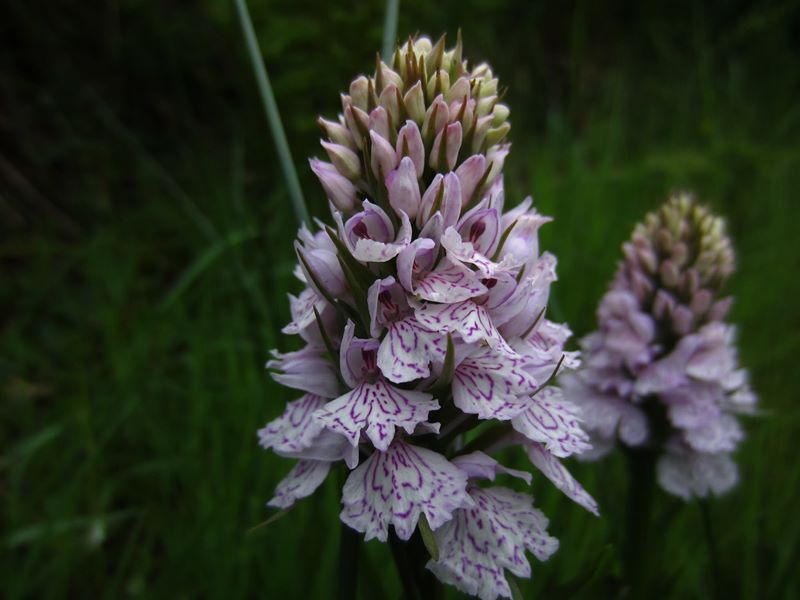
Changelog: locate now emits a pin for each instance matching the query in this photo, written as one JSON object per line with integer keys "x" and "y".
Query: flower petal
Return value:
{"x": 408, "y": 349}
{"x": 307, "y": 370}
{"x": 295, "y": 434}
{"x": 479, "y": 465}
{"x": 689, "y": 474}
{"x": 480, "y": 542}
{"x": 378, "y": 408}
{"x": 554, "y": 422}
{"x": 492, "y": 385}
{"x": 466, "y": 318}
{"x": 302, "y": 481}
{"x": 396, "y": 486}
{"x": 449, "y": 282}
{"x": 552, "y": 468}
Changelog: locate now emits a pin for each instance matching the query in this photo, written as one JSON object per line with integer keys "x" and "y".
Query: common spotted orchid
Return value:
{"x": 661, "y": 372}
{"x": 424, "y": 317}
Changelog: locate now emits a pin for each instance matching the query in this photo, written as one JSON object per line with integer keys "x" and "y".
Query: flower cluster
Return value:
{"x": 423, "y": 317}
{"x": 662, "y": 369}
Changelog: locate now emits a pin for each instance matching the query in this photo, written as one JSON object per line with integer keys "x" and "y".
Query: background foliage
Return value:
{"x": 146, "y": 255}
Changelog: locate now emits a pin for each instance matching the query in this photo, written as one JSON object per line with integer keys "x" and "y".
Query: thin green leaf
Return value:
{"x": 345, "y": 309}
{"x": 278, "y": 515}
{"x": 446, "y": 377}
{"x": 503, "y": 239}
{"x": 552, "y": 376}
{"x": 427, "y": 537}
{"x": 360, "y": 270}
{"x": 513, "y": 585}
{"x": 204, "y": 261}
{"x": 273, "y": 116}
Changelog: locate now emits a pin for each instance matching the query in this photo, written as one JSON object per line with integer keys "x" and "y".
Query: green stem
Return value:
{"x": 641, "y": 486}
{"x": 405, "y": 568}
{"x": 348, "y": 563}
{"x": 390, "y": 28}
{"x": 708, "y": 529}
{"x": 273, "y": 116}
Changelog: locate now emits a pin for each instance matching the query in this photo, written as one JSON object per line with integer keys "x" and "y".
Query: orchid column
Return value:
{"x": 423, "y": 314}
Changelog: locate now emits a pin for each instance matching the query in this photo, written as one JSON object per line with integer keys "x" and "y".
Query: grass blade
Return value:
{"x": 273, "y": 116}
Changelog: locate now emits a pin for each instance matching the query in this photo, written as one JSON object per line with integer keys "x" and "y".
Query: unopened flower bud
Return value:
{"x": 470, "y": 173}
{"x": 669, "y": 274}
{"x": 438, "y": 83}
{"x": 358, "y": 92}
{"x": 379, "y": 123}
{"x": 436, "y": 117}
{"x": 499, "y": 114}
{"x": 338, "y": 188}
{"x": 383, "y": 157}
{"x": 445, "y": 148}
{"x": 414, "y": 100}
{"x": 388, "y": 101}
{"x": 358, "y": 124}
{"x": 458, "y": 91}
{"x": 682, "y": 320}
{"x": 337, "y": 133}
{"x": 701, "y": 302}
{"x": 403, "y": 188}
{"x": 409, "y": 143}
{"x": 479, "y": 136}
{"x": 345, "y": 160}
{"x": 720, "y": 309}
{"x": 497, "y": 134}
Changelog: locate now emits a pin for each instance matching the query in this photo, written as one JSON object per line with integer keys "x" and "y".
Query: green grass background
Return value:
{"x": 146, "y": 256}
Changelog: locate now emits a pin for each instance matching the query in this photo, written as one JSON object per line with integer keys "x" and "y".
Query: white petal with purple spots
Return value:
{"x": 492, "y": 385}
{"x": 302, "y": 481}
{"x": 552, "y": 468}
{"x": 377, "y": 408}
{"x": 481, "y": 541}
{"x": 396, "y": 486}
{"x": 554, "y": 422}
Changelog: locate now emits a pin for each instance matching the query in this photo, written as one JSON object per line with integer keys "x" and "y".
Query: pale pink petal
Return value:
{"x": 480, "y": 542}
{"x": 294, "y": 430}
{"x": 449, "y": 282}
{"x": 690, "y": 474}
{"x": 353, "y": 355}
{"x": 396, "y": 486}
{"x": 466, "y": 318}
{"x": 408, "y": 349}
{"x": 469, "y": 174}
{"x": 479, "y": 465}
{"x": 302, "y": 481}
{"x": 481, "y": 228}
{"x": 409, "y": 138}
{"x": 492, "y": 386}
{"x": 553, "y": 422}
{"x": 304, "y": 322}
{"x": 413, "y": 259}
{"x": 377, "y": 408}
{"x": 307, "y": 370}
{"x": 722, "y": 434}
{"x": 295, "y": 434}
{"x": 552, "y": 468}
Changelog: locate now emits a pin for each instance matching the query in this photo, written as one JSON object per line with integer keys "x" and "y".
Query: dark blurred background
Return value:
{"x": 146, "y": 256}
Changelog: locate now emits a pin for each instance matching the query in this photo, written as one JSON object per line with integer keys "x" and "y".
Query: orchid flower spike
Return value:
{"x": 423, "y": 314}
{"x": 662, "y": 371}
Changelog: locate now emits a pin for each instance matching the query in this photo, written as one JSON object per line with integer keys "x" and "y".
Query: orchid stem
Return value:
{"x": 390, "y": 28}
{"x": 641, "y": 486}
{"x": 348, "y": 563}
{"x": 405, "y": 568}
{"x": 273, "y": 116}
{"x": 705, "y": 513}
